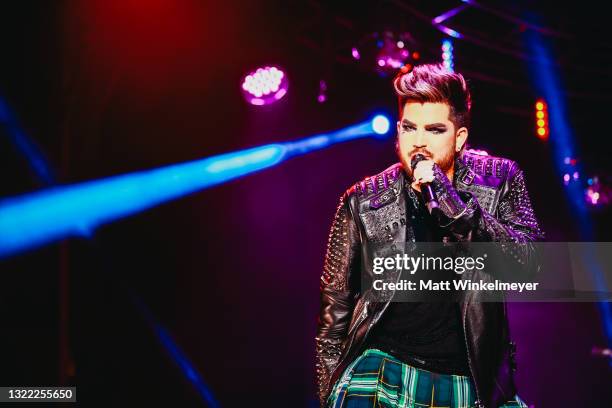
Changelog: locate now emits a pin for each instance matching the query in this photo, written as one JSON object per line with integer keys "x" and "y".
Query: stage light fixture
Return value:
{"x": 380, "y": 124}
{"x": 541, "y": 119}
{"x": 447, "y": 55}
{"x": 265, "y": 85}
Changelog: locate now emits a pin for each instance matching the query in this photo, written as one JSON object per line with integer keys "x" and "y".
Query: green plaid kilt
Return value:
{"x": 377, "y": 379}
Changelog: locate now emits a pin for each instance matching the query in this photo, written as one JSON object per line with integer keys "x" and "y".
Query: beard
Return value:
{"x": 445, "y": 162}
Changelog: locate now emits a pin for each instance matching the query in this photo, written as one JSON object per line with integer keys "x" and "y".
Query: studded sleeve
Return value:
{"x": 342, "y": 260}
{"x": 514, "y": 222}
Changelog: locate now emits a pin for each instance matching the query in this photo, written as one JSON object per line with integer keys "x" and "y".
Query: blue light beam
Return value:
{"x": 177, "y": 355}
{"x": 41, "y": 169}
{"x": 45, "y": 216}
{"x": 547, "y": 81}
{"x": 37, "y": 162}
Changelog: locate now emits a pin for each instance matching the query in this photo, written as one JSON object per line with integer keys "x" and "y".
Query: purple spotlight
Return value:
{"x": 566, "y": 179}
{"x": 355, "y": 53}
{"x": 448, "y": 31}
{"x": 265, "y": 85}
{"x": 598, "y": 194}
{"x": 451, "y": 13}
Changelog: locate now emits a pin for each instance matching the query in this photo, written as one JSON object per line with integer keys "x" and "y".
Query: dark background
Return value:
{"x": 110, "y": 87}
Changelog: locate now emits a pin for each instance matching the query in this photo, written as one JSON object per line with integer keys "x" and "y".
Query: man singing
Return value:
{"x": 423, "y": 354}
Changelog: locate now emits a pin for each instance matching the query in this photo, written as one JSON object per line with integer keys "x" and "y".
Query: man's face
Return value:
{"x": 425, "y": 128}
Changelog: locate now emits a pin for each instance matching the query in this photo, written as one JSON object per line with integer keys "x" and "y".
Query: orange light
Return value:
{"x": 406, "y": 68}
{"x": 416, "y": 55}
{"x": 541, "y": 123}
{"x": 540, "y": 114}
{"x": 539, "y": 106}
{"x": 541, "y": 131}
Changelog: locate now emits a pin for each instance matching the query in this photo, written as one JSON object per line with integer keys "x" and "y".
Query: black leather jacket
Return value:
{"x": 494, "y": 206}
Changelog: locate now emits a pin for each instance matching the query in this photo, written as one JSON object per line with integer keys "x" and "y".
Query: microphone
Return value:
{"x": 431, "y": 201}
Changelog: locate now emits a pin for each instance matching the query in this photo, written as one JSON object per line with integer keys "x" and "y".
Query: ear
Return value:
{"x": 398, "y": 127}
{"x": 460, "y": 138}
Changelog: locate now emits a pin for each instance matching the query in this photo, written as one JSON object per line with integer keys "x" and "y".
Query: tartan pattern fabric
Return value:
{"x": 377, "y": 379}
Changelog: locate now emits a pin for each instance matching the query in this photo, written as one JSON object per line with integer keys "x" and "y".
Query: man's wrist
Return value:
{"x": 451, "y": 204}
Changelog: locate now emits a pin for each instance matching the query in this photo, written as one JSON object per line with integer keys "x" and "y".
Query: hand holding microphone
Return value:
{"x": 439, "y": 194}
{"x": 423, "y": 177}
